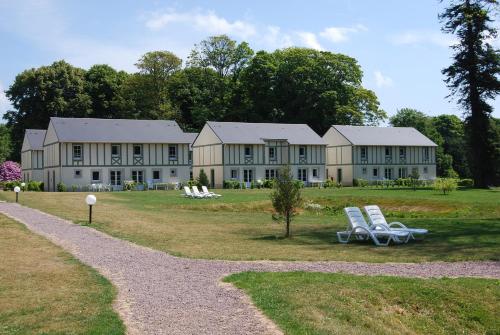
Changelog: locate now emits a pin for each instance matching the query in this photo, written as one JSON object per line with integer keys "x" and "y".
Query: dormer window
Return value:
{"x": 364, "y": 153}
{"x": 137, "y": 150}
{"x": 272, "y": 153}
{"x": 77, "y": 152}
{"x": 302, "y": 152}
{"x": 248, "y": 151}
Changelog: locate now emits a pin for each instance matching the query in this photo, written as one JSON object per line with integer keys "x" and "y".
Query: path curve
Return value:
{"x": 163, "y": 294}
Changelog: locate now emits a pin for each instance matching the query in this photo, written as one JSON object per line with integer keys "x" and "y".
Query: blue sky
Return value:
{"x": 398, "y": 43}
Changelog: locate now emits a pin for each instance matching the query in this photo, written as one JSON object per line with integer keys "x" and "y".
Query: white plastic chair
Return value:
{"x": 205, "y": 190}
{"x": 361, "y": 231}
{"x": 188, "y": 193}
{"x": 198, "y": 194}
{"x": 376, "y": 217}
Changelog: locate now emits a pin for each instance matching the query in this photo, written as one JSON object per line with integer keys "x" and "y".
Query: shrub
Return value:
{"x": 61, "y": 187}
{"x": 10, "y": 171}
{"x": 9, "y": 186}
{"x": 360, "y": 182}
{"x": 35, "y": 186}
{"x": 203, "y": 178}
{"x": 268, "y": 183}
{"x": 128, "y": 185}
{"x": 445, "y": 185}
{"x": 450, "y": 173}
{"x": 466, "y": 182}
{"x": 299, "y": 183}
{"x": 329, "y": 183}
{"x": 74, "y": 188}
{"x": 231, "y": 183}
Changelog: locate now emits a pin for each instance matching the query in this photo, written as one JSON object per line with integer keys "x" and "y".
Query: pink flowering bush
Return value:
{"x": 10, "y": 171}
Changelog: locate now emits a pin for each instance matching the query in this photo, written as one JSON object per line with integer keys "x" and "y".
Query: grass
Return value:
{"x": 464, "y": 225}
{"x": 316, "y": 303}
{"x": 43, "y": 290}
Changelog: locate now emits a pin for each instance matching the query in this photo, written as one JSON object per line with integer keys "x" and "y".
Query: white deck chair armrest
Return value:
{"x": 375, "y": 225}
{"x": 354, "y": 230}
{"x": 397, "y": 224}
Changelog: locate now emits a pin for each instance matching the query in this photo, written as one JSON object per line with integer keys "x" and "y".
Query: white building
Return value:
{"x": 84, "y": 151}
{"x": 378, "y": 153}
{"x": 255, "y": 151}
{"x": 32, "y": 155}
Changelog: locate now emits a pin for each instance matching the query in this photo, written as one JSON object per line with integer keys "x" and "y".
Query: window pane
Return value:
{"x": 115, "y": 150}
{"x": 156, "y": 174}
{"x": 137, "y": 150}
{"x": 95, "y": 176}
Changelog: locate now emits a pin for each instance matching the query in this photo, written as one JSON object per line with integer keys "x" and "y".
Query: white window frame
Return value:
{"x": 119, "y": 150}
{"x": 80, "y": 156}
{"x": 402, "y": 152}
{"x": 273, "y": 156}
{"x": 304, "y": 154}
{"x": 364, "y": 153}
{"x": 235, "y": 174}
{"x": 250, "y": 151}
{"x": 140, "y": 149}
{"x": 137, "y": 175}
{"x": 426, "y": 153}
{"x": 153, "y": 174}
{"x": 92, "y": 176}
{"x": 172, "y": 157}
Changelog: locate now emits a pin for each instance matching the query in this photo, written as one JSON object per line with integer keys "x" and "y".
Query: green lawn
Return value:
{"x": 464, "y": 225}
{"x": 43, "y": 290}
{"x": 316, "y": 303}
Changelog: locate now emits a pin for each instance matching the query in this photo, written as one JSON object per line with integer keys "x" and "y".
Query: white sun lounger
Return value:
{"x": 361, "y": 231}
{"x": 189, "y": 194}
{"x": 375, "y": 216}
{"x": 205, "y": 190}
{"x": 198, "y": 194}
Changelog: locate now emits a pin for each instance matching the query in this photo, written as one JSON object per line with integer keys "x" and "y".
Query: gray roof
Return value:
{"x": 118, "y": 131}
{"x": 35, "y": 138}
{"x": 192, "y": 137}
{"x": 394, "y": 136}
{"x": 257, "y": 133}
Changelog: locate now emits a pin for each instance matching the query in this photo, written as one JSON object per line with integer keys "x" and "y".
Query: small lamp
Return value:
{"x": 23, "y": 187}
{"x": 90, "y": 200}
{"x": 17, "y": 189}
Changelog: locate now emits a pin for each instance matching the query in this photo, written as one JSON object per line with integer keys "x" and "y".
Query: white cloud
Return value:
{"x": 423, "y": 37}
{"x": 341, "y": 34}
{"x": 204, "y": 21}
{"x": 274, "y": 38}
{"x": 309, "y": 40}
{"x": 381, "y": 80}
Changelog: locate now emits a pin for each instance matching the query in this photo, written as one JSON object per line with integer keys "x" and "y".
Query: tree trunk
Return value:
{"x": 287, "y": 232}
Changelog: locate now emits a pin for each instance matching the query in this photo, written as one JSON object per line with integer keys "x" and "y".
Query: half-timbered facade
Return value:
{"x": 378, "y": 153}
{"x": 32, "y": 155}
{"x": 84, "y": 151}
{"x": 249, "y": 152}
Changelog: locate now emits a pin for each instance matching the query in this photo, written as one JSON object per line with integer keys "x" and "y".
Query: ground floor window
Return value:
{"x": 190, "y": 175}
{"x": 302, "y": 174}
{"x": 402, "y": 172}
{"x": 363, "y": 170}
{"x": 173, "y": 172}
{"x": 96, "y": 176}
{"x": 78, "y": 173}
{"x": 426, "y": 170}
{"x": 271, "y": 173}
{"x": 156, "y": 175}
{"x": 247, "y": 176}
{"x": 339, "y": 176}
{"x": 315, "y": 173}
{"x": 375, "y": 172}
{"x": 138, "y": 176}
{"x": 388, "y": 173}
{"x": 234, "y": 174}
{"x": 116, "y": 177}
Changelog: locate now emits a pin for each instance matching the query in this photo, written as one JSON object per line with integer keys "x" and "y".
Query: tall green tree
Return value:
{"x": 155, "y": 69}
{"x": 302, "y": 85}
{"x": 103, "y": 84}
{"x": 5, "y": 143}
{"x": 222, "y": 54}
{"x": 199, "y": 95}
{"x": 38, "y": 94}
{"x": 473, "y": 77}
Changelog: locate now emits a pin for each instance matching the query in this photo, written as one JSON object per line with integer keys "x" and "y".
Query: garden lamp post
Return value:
{"x": 17, "y": 189}
{"x": 23, "y": 187}
{"x": 90, "y": 200}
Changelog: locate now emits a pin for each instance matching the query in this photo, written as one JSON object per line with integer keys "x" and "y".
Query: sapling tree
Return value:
{"x": 445, "y": 185}
{"x": 286, "y": 197}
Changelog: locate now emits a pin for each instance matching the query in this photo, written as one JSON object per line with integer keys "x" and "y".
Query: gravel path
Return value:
{"x": 162, "y": 294}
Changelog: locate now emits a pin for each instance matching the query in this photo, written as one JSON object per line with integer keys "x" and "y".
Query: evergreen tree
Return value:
{"x": 473, "y": 78}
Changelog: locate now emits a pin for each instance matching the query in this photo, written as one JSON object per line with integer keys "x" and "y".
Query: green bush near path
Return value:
{"x": 321, "y": 304}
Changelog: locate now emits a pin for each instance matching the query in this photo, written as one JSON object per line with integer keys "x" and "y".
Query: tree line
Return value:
{"x": 222, "y": 80}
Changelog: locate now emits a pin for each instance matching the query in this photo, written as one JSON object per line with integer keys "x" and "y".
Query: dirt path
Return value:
{"x": 162, "y": 294}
